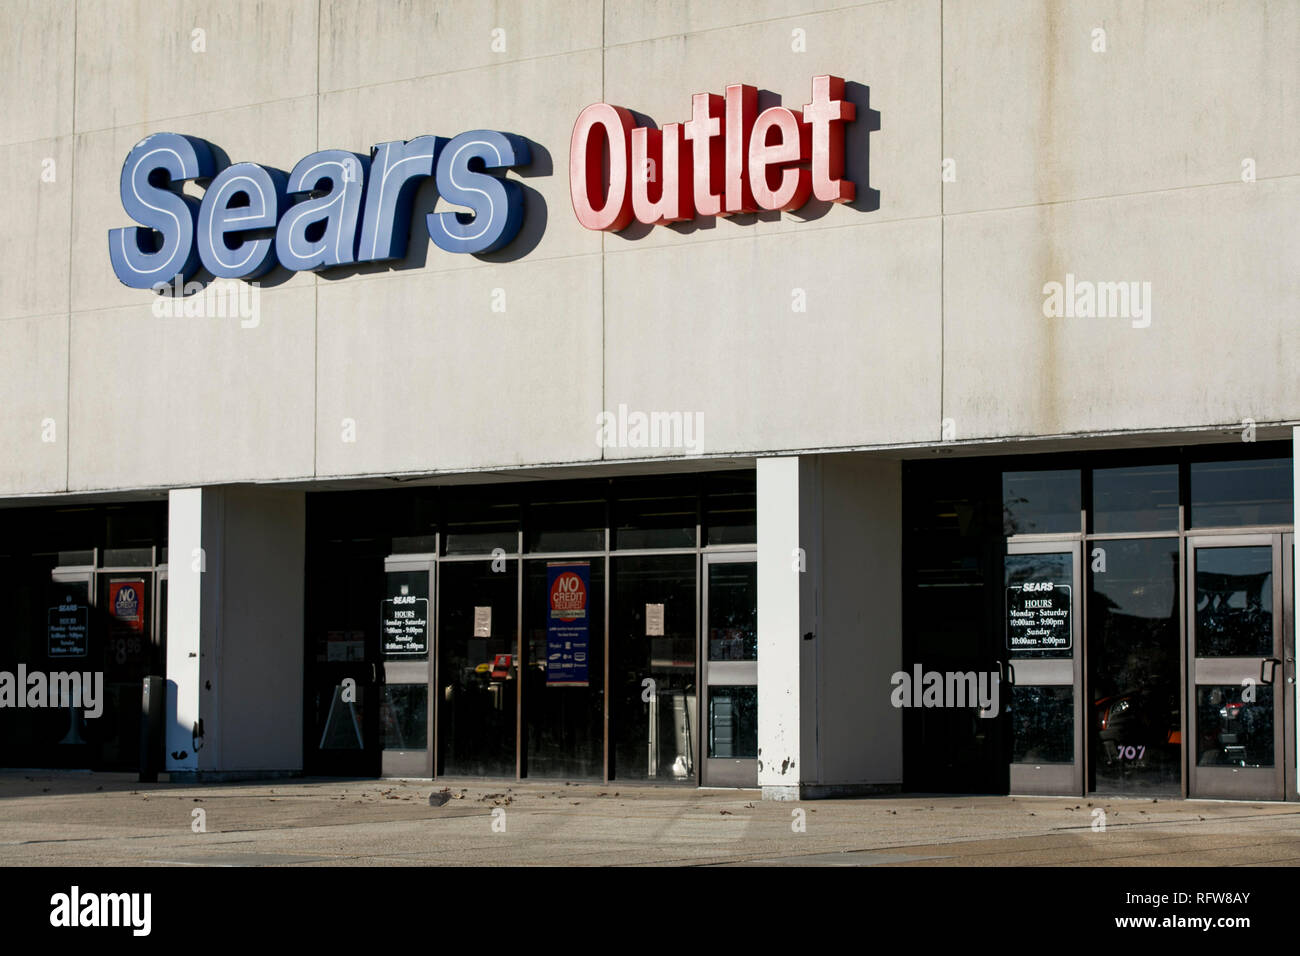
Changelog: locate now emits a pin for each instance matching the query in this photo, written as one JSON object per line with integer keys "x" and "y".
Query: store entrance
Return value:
{"x": 1240, "y": 677}
{"x": 1044, "y": 667}
{"x": 730, "y": 662}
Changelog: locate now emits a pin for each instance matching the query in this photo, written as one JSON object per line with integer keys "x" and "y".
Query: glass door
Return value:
{"x": 1237, "y": 687}
{"x": 1044, "y": 667}
{"x": 730, "y": 662}
{"x": 405, "y": 636}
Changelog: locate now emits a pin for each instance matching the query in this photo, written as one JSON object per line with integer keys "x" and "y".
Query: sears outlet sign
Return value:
{"x": 338, "y": 208}
{"x": 335, "y": 208}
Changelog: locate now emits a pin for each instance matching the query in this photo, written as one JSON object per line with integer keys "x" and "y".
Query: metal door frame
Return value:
{"x": 740, "y": 772}
{"x": 1242, "y": 783}
{"x": 1052, "y": 779}
{"x": 413, "y": 763}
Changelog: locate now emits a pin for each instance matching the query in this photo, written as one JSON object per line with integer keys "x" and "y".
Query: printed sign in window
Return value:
{"x": 1038, "y": 617}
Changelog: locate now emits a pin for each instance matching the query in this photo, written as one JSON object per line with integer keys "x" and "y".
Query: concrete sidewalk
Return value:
{"x": 83, "y": 819}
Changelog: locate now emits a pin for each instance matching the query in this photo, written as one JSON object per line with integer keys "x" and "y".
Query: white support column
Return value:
{"x": 235, "y": 631}
{"x": 784, "y": 710}
{"x": 829, "y": 625}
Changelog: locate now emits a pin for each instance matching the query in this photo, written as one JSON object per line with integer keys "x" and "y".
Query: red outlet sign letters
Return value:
{"x": 727, "y": 158}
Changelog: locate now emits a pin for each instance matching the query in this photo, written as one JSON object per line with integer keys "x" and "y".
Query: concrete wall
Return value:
{"x": 1122, "y": 165}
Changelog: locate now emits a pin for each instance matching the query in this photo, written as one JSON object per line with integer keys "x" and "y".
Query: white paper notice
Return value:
{"x": 482, "y": 622}
{"x": 654, "y": 620}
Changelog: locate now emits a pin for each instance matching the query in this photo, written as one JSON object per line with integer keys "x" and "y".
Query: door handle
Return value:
{"x": 1007, "y": 671}
{"x": 374, "y": 673}
{"x": 1272, "y": 674}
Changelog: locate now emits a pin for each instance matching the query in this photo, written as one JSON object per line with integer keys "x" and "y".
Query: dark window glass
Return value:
{"x": 1233, "y": 731}
{"x": 660, "y": 513}
{"x": 733, "y": 611}
{"x": 403, "y": 716}
{"x": 1234, "y": 602}
{"x": 733, "y": 721}
{"x": 477, "y": 694}
{"x": 1041, "y": 502}
{"x": 655, "y": 724}
{"x": 1133, "y": 658}
{"x": 126, "y": 558}
{"x": 416, "y": 544}
{"x": 730, "y": 508}
{"x": 477, "y": 525}
{"x": 1042, "y": 722}
{"x": 564, "y": 724}
{"x": 1235, "y": 493}
{"x": 576, "y": 524}
{"x": 1127, "y": 500}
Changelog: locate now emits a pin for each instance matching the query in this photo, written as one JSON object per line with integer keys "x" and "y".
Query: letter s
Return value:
{"x": 165, "y": 248}
{"x": 498, "y": 204}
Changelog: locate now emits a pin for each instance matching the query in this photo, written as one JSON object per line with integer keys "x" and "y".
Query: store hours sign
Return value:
{"x": 1038, "y": 616}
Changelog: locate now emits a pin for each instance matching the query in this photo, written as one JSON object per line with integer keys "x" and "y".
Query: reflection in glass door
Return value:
{"x": 405, "y": 637}
{"x": 1237, "y": 594}
{"x": 1044, "y": 667}
{"x": 731, "y": 670}
{"x": 1135, "y": 728}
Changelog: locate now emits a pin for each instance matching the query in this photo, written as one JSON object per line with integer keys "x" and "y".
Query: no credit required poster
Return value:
{"x": 568, "y": 622}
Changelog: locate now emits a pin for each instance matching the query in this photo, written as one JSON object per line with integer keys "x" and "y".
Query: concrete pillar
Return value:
{"x": 829, "y": 625}
{"x": 235, "y": 632}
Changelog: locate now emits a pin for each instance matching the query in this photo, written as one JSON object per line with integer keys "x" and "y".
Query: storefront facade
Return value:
{"x": 828, "y": 399}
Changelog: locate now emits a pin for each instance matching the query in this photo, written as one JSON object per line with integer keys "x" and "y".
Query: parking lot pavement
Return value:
{"x": 84, "y": 819}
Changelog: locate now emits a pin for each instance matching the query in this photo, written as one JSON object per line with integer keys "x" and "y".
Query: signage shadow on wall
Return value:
{"x": 857, "y": 166}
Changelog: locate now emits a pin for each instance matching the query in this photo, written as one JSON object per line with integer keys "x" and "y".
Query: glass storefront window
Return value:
{"x": 403, "y": 716}
{"x": 476, "y": 525}
{"x": 730, "y": 508}
{"x": 1134, "y": 500}
{"x": 733, "y": 721}
{"x": 659, "y": 513}
{"x": 1233, "y": 731}
{"x": 652, "y": 644}
{"x": 558, "y": 525}
{"x": 1041, "y": 502}
{"x": 1237, "y": 493}
{"x": 1234, "y": 602}
{"x": 564, "y": 700}
{"x": 1042, "y": 721}
{"x": 733, "y": 617}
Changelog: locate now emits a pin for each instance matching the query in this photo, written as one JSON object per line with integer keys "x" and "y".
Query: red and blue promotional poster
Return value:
{"x": 568, "y": 622}
{"x": 126, "y": 604}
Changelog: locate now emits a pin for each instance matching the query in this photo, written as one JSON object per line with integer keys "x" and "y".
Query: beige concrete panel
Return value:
{"x": 138, "y": 62}
{"x": 537, "y": 99}
{"x": 35, "y": 209}
{"x": 1183, "y": 93}
{"x": 365, "y": 43}
{"x": 34, "y": 396}
{"x": 628, "y": 21}
{"x": 274, "y": 134}
{"x": 36, "y": 43}
{"x": 888, "y": 54}
{"x": 1222, "y": 333}
{"x": 177, "y": 400}
{"x": 431, "y": 377}
{"x": 714, "y": 330}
